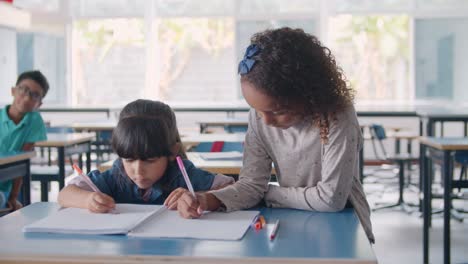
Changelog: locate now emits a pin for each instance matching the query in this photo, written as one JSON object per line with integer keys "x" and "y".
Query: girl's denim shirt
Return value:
{"x": 115, "y": 183}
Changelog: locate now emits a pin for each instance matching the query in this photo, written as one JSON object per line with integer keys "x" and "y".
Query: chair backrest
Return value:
{"x": 461, "y": 157}
{"x": 377, "y": 137}
{"x": 378, "y": 131}
{"x": 104, "y": 137}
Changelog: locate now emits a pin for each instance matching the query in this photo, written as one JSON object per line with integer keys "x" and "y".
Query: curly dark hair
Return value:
{"x": 294, "y": 67}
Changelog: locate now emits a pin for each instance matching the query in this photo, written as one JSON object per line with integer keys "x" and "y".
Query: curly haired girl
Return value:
{"x": 303, "y": 121}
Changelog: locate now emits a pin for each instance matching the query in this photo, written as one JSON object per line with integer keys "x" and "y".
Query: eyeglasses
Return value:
{"x": 24, "y": 90}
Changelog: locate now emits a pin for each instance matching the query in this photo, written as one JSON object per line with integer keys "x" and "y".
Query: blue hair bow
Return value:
{"x": 247, "y": 63}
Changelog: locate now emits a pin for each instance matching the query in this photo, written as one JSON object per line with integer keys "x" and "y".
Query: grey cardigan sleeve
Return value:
{"x": 254, "y": 175}
{"x": 340, "y": 157}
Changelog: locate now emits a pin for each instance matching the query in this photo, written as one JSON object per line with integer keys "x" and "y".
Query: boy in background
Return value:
{"x": 21, "y": 126}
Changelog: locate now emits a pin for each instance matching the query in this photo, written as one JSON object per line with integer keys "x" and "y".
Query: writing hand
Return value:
{"x": 174, "y": 196}
{"x": 100, "y": 203}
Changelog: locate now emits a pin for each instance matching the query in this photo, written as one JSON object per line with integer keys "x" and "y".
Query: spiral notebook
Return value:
{"x": 146, "y": 221}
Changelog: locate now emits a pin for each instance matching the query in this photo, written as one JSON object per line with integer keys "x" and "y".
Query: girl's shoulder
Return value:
{"x": 346, "y": 117}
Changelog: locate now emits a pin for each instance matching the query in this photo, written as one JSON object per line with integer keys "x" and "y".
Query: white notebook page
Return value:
{"x": 212, "y": 225}
{"x": 82, "y": 221}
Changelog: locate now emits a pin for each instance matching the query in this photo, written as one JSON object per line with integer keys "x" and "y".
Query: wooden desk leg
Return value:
{"x": 447, "y": 205}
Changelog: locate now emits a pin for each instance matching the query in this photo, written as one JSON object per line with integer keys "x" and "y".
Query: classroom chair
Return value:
{"x": 102, "y": 145}
{"x": 46, "y": 174}
{"x": 56, "y": 130}
{"x": 378, "y": 136}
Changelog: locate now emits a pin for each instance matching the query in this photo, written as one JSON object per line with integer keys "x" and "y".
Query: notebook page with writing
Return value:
{"x": 212, "y": 225}
{"x": 82, "y": 221}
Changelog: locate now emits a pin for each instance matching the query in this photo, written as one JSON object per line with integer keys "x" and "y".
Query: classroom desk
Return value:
{"x": 230, "y": 167}
{"x": 17, "y": 164}
{"x": 94, "y": 126}
{"x": 431, "y": 117}
{"x": 190, "y": 140}
{"x": 68, "y": 109}
{"x": 363, "y": 111}
{"x": 441, "y": 149}
{"x": 303, "y": 237}
{"x": 225, "y": 122}
{"x": 68, "y": 144}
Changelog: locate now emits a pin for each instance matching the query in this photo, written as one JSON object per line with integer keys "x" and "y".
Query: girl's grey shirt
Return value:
{"x": 311, "y": 175}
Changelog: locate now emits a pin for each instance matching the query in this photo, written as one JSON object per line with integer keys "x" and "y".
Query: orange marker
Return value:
{"x": 258, "y": 225}
{"x": 262, "y": 220}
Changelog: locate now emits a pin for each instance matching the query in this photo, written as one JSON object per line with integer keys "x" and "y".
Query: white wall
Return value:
{"x": 8, "y": 64}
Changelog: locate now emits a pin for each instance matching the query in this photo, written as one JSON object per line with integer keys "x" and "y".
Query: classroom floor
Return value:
{"x": 398, "y": 235}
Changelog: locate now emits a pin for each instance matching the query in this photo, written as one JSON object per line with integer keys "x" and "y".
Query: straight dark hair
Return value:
{"x": 146, "y": 129}
{"x": 36, "y": 76}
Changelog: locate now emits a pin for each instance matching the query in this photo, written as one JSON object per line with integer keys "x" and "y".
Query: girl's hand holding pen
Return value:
{"x": 191, "y": 207}
{"x": 98, "y": 202}
{"x": 174, "y": 196}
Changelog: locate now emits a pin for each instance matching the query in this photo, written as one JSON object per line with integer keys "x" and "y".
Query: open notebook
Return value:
{"x": 151, "y": 221}
{"x": 228, "y": 155}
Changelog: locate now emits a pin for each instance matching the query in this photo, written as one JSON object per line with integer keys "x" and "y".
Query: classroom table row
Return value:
{"x": 214, "y": 165}
{"x": 428, "y": 117}
{"x": 302, "y": 237}
{"x": 442, "y": 146}
{"x": 17, "y": 165}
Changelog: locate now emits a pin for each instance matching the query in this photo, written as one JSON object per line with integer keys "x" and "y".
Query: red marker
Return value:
{"x": 275, "y": 230}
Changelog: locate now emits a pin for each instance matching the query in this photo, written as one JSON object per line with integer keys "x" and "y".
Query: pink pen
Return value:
{"x": 89, "y": 182}
{"x": 86, "y": 178}
{"x": 186, "y": 177}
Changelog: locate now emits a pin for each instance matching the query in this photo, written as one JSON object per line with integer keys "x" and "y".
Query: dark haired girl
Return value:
{"x": 303, "y": 121}
{"x": 147, "y": 141}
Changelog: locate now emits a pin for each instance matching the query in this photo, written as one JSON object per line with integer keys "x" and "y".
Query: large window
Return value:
{"x": 441, "y": 59}
{"x": 392, "y": 51}
{"x": 373, "y": 51}
{"x": 108, "y": 61}
{"x": 177, "y": 51}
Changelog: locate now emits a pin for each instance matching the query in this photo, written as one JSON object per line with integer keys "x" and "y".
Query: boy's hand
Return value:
{"x": 14, "y": 204}
{"x": 171, "y": 200}
{"x": 189, "y": 207}
{"x": 100, "y": 203}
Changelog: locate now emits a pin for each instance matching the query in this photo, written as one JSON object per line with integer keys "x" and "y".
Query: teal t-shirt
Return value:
{"x": 13, "y": 136}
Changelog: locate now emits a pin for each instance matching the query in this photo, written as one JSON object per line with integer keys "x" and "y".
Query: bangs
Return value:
{"x": 141, "y": 138}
